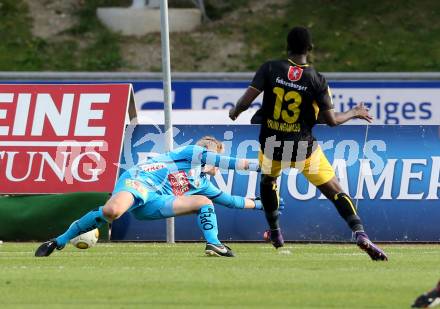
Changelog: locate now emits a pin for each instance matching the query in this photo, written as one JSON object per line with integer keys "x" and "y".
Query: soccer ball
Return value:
{"x": 86, "y": 240}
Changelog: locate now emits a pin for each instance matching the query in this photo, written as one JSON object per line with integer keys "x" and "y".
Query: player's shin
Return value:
{"x": 346, "y": 209}
{"x": 88, "y": 222}
{"x": 269, "y": 198}
{"x": 207, "y": 222}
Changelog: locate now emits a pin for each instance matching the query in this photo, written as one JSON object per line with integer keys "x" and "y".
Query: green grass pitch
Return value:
{"x": 128, "y": 275}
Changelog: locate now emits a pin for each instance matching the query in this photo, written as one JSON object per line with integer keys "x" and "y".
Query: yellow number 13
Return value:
{"x": 292, "y": 113}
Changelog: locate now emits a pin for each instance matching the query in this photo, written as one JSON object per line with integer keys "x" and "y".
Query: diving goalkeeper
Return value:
{"x": 172, "y": 184}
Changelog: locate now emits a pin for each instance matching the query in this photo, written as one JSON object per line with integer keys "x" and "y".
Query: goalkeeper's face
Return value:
{"x": 211, "y": 169}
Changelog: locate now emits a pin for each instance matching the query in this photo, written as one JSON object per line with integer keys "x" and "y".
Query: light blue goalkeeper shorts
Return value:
{"x": 148, "y": 204}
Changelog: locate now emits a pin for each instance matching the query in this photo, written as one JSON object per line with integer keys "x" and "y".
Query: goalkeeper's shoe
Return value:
{"x": 47, "y": 248}
{"x": 275, "y": 237}
{"x": 375, "y": 253}
{"x": 429, "y": 299}
{"x": 218, "y": 250}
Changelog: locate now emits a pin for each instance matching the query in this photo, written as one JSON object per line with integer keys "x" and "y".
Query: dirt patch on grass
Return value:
{"x": 52, "y": 17}
{"x": 215, "y": 46}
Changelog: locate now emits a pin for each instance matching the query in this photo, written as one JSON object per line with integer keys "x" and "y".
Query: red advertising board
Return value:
{"x": 61, "y": 138}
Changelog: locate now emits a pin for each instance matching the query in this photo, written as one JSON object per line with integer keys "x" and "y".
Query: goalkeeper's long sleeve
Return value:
{"x": 225, "y": 162}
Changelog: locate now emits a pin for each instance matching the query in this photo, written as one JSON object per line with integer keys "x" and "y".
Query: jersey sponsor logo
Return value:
{"x": 138, "y": 186}
{"x": 283, "y": 82}
{"x": 152, "y": 167}
{"x": 294, "y": 73}
{"x": 179, "y": 183}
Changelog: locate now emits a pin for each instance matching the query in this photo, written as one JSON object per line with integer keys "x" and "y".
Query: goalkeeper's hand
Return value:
{"x": 259, "y": 205}
{"x": 248, "y": 165}
{"x": 253, "y": 166}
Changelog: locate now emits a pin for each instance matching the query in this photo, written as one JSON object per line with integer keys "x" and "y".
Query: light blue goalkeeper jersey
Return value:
{"x": 179, "y": 172}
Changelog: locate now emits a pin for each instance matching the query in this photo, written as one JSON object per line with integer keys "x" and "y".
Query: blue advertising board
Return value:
{"x": 390, "y": 102}
{"x": 393, "y": 179}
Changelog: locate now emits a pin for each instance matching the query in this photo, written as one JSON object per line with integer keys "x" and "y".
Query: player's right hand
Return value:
{"x": 232, "y": 114}
{"x": 361, "y": 112}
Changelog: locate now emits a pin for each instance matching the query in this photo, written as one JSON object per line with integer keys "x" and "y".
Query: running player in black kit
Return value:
{"x": 296, "y": 97}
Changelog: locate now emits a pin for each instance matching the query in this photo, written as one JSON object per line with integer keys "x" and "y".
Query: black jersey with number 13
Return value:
{"x": 293, "y": 96}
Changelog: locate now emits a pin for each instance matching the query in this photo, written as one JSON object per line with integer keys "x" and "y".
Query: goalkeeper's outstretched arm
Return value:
{"x": 225, "y": 162}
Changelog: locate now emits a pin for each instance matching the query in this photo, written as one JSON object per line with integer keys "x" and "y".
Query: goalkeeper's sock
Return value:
{"x": 269, "y": 198}
{"x": 88, "y": 222}
{"x": 230, "y": 201}
{"x": 346, "y": 209}
{"x": 207, "y": 222}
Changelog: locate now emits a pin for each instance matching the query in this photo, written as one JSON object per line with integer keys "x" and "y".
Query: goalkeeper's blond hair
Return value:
{"x": 210, "y": 143}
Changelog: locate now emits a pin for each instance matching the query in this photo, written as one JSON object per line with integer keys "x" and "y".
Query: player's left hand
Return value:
{"x": 361, "y": 112}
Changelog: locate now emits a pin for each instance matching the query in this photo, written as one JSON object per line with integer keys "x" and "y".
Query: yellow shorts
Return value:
{"x": 315, "y": 168}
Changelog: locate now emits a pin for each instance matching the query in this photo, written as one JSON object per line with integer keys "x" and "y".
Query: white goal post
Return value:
{"x": 166, "y": 69}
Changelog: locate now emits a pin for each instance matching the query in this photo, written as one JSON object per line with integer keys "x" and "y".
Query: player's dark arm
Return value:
{"x": 332, "y": 119}
{"x": 244, "y": 102}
